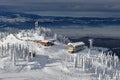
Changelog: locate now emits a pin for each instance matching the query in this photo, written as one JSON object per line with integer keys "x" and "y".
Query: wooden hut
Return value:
{"x": 47, "y": 43}
{"x": 75, "y": 47}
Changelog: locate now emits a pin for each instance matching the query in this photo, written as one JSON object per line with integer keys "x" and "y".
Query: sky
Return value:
{"x": 85, "y": 6}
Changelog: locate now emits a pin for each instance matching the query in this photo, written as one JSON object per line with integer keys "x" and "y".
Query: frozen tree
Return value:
{"x": 83, "y": 63}
{"x": 55, "y": 36}
{"x": 100, "y": 76}
{"x": 96, "y": 70}
{"x": 75, "y": 61}
{"x": 27, "y": 59}
{"x": 14, "y": 58}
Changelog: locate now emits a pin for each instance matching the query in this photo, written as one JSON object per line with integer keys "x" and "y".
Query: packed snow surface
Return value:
{"x": 53, "y": 62}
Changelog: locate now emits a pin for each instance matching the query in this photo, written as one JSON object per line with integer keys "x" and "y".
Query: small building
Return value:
{"x": 75, "y": 47}
{"x": 31, "y": 54}
{"x": 47, "y": 42}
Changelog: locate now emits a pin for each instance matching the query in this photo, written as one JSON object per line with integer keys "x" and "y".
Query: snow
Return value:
{"x": 76, "y": 43}
{"x": 53, "y": 62}
{"x": 10, "y": 39}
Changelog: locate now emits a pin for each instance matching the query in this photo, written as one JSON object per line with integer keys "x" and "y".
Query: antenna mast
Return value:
{"x": 37, "y": 24}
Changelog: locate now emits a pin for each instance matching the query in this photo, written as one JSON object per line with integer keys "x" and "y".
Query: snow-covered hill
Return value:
{"x": 52, "y": 62}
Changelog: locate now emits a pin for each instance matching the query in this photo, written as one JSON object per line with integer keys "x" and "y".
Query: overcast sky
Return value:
{"x": 112, "y": 6}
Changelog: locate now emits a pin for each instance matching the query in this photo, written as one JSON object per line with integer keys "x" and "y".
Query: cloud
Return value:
{"x": 61, "y": 5}
{"x": 34, "y": 1}
{"x": 110, "y": 31}
{"x": 99, "y": 7}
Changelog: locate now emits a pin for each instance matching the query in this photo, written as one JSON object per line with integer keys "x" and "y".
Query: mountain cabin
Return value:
{"x": 75, "y": 47}
{"x": 47, "y": 42}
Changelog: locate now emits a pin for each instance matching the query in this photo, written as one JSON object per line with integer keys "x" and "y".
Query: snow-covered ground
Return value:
{"x": 52, "y": 62}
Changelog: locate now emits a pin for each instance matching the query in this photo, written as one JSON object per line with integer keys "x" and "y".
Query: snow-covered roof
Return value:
{"x": 76, "y": 43}
{"x": 49, "y": 40}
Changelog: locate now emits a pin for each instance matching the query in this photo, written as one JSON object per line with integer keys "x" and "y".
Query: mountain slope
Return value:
{"x": 52, "y": 62}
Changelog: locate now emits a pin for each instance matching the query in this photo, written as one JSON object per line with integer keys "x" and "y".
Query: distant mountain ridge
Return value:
{"x": 26, "y": 21}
